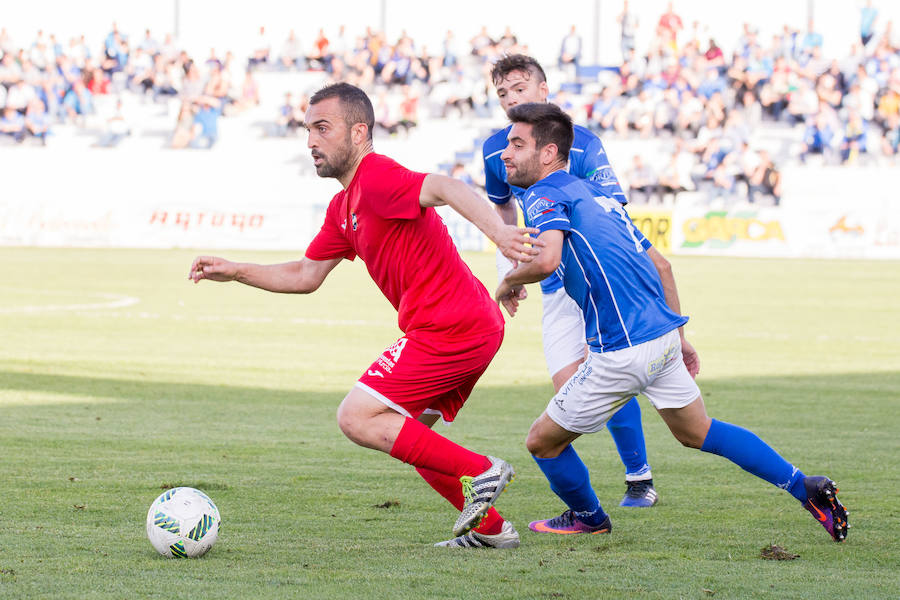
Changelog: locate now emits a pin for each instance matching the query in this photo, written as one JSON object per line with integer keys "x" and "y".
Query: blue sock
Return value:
{"x": 569, "y": 479}
{"x": 626, "y": 431}
{"x": 745, "y": 449}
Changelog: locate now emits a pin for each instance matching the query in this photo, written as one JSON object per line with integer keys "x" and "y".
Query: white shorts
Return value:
{"x": 606, "y": 381}
{"x": 562, "y": 329}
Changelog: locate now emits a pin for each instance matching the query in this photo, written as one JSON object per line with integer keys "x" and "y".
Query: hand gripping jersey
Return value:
{"x": 587, "y": 160}
{"x": 604, "y": 266}
{"x": 407, "y": 251}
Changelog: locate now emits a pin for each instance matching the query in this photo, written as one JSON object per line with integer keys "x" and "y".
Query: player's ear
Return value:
{"x": 549, "y": 153}
{"x": 359, "y": 133}
{"x": 544, "y": 89}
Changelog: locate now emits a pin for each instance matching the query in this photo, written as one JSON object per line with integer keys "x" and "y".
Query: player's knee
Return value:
{"x": 349, "y": 423}
{"x": 690, "y": 438}
{"x": 539, "y": 446}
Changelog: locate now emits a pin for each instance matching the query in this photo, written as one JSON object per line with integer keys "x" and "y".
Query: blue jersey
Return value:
{"x": 604, "y": 266}
{"x": 587, "y": 160}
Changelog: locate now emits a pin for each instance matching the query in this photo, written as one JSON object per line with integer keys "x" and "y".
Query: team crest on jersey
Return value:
{"x": 542, "y": 206}
{"x": 354, "y": 222}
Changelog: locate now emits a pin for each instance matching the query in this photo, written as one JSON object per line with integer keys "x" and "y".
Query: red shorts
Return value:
{"x": 430, "y": 373}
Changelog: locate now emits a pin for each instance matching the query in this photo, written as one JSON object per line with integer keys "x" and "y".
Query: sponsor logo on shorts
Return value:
{"x": 388, "y": 360}
{"x": 577, "y": 379}
{"x": 375, "y": 373}
{"x": 558, "y": 399}
{"x": 656, "y": 365}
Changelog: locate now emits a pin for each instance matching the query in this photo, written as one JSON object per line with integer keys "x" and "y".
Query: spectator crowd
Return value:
{"x": 682, "y": 88}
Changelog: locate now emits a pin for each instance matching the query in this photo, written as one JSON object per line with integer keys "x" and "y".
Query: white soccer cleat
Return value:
{"x": 507, "y": 538}
{"x": 480, "y": 492}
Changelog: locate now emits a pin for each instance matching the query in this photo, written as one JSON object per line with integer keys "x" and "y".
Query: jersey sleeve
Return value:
{"x": 498, "y": 191}
{"x": 330, "y": 242}
{"x": 392, "y": 191}
{"x": 547, "y": 209}
{"x": 594, "y": 166}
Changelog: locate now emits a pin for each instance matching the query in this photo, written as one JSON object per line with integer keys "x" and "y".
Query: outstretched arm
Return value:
{"x": 514, "y": 242}
{"x": 296, "y": 277}
{"x": 664, "y": 268}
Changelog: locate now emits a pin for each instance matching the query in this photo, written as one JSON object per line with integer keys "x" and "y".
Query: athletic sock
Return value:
{"x": 628, "y": 434}
{"x": 745, "y": 449}
{"x": 419, "y": 446}
{"x": 569, "y": 479}
{"x": 451, "y": 489}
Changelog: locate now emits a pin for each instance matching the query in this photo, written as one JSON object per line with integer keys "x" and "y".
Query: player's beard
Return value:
{"x": 526, "y": 172}
{"x": 337, "y": 164}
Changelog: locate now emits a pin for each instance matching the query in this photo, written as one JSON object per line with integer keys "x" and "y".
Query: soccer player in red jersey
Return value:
{"x": 451, "y": 326}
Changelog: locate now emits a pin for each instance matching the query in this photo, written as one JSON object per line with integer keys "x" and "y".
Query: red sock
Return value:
{"x": 450, "y": 488}
{"x": 419, "y": 446}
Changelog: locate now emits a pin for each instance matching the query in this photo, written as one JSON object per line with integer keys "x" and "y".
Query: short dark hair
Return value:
{"x": 355, "y": 103}
{"x": 517, "y": 62}
{"x": 549, "y": 125}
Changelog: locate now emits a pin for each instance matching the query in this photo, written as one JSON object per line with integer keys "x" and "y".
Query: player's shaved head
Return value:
{"x": 549, "y": 125}
{"x": 355, "y": 104}
{"x": 517, "y": 62}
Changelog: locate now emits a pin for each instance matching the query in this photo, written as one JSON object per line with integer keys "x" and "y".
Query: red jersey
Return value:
{"x": 407, "y": 251}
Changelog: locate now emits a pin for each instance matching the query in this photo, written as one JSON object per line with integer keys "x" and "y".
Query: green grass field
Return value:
{"x": 119, "y": 377}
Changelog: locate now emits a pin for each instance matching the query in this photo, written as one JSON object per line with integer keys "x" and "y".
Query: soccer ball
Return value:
{"x": 183, "y": 523}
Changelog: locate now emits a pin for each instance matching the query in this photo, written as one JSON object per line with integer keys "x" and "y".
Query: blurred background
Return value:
{"x": 768, "y": 129}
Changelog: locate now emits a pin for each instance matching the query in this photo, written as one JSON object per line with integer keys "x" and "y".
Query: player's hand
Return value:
{"x": 212, "y": 268}
{"x": 517, "y": 243}
{"x": 509, "y": 297}
{"x": 691, "y": 358}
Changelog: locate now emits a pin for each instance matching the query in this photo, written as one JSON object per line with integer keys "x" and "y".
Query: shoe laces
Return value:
{"x": 467, "y": 489}
{"x": 564, "y": 520}
{"x": 638, "y": 489}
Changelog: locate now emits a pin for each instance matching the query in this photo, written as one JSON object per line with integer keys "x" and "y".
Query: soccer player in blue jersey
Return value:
{"x": 519, "y": 79}
{"x": 633, "y": 328}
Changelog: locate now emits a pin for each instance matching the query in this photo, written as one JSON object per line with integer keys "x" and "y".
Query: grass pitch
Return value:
{"x": 119, "y": 377}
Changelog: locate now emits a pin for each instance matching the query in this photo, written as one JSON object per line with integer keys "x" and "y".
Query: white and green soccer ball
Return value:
{"x": 183, "y": 523}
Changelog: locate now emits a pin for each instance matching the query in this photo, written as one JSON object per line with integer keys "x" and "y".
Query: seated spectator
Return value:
{"x": 690, "y": 113}
{"x": 666, "y": 112}
{"x": 459, "y": 172}
{"x": 606, "y": 108}
{"x": 12, "y": 125}
{"x": 206, "y": 123}
{"x": 854, "y": 142}
{"x": 802, "y": 103}
{"x": 723, "y": 179}
{"x": 19, "y": 95}
{"x": 290, "y": 119}
{"x": 409, "y": 108}
{"x": 641, "y": 181}
{"x": 676, "y": 175}
{"x": 711, "y": 84}
{"x": 97, "y": 82}
{"x": 117, "y": 128}
{"x": 37, "y": 123}
{"x": 291, "y": 52}
{"x": 249, "y": 95}
{"x": 184, "y": 126}
{"x": 78, "y": 101}
{"x": 820, "y": 138}
{"x": 765, "y": 180}
{"x": 891, "y": 142}
{"x": 260, "y": 54}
